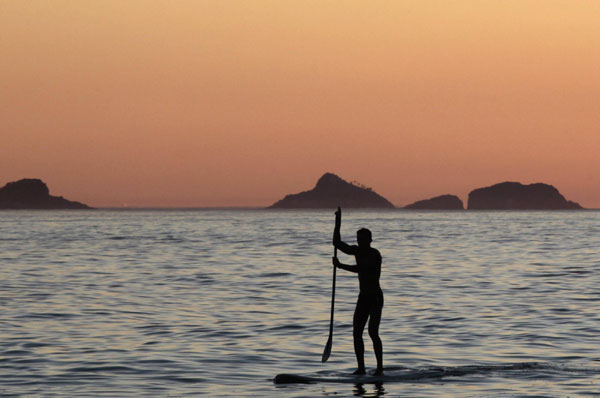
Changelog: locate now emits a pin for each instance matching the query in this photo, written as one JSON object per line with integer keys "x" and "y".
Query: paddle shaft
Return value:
{"x": 336, "y": 232}
{"x": 327, "y": 350}
{"x": 332, "y": 296}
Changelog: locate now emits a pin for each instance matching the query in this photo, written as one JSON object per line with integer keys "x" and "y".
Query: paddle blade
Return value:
{"x": 327, "y": 350}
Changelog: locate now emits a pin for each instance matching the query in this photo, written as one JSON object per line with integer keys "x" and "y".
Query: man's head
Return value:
{"x": 363, "y": 237}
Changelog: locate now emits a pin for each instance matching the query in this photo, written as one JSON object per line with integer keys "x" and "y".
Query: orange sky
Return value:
{"x": 220, "y": 103}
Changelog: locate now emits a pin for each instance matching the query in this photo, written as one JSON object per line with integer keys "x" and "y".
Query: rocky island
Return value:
{"x": 332, "y": 191}
{"x": 516, "y": 196}
{"x": 32, "y": 193}
{"x": 442, "y": 202}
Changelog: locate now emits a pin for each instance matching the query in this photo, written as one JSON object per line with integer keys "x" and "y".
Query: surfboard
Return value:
{"x": 392, "y": 374}
{"x": 400, "y": 374}
{"x": 289, "y": 378}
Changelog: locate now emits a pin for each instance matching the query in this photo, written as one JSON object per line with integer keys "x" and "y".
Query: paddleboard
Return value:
{"x": 289, "y": 378}
{"x": 399, "y": 374}
{"x": 392, "y": 374}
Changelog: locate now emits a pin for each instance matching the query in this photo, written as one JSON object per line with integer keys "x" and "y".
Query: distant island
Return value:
{"x": 32, "y": 193}
{"x": 332, "y": 191}
{"x": 442, "y": 202}
{"x": 516, "y": 196}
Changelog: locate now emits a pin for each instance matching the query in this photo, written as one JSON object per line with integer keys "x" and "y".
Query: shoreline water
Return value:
{"x": 217, "y": 302}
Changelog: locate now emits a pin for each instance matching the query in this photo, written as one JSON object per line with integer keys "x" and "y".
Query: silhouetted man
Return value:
{"x": 370, "y": 298}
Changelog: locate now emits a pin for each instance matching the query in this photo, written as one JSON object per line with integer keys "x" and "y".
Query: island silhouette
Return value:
{"x": 332, "y": 191}
{"x": 33, "y": 193}
{"x": 442, "y": 202}
{"x": 516, "y": 196}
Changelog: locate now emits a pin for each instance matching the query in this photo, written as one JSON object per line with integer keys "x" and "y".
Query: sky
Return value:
{"x": 237, "y": 103}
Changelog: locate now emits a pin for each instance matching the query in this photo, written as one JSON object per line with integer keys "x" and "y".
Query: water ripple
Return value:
{"x": 216, "y": 303}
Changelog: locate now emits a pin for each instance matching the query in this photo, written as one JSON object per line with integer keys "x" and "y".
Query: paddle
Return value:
{"x": 327, "y": 350}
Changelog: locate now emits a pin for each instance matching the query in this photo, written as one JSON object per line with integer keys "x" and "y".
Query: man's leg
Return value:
{"x": 374, "y": 320}
{"x": 361, "y": 314}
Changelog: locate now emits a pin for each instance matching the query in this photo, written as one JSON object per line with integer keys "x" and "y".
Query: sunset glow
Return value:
{"x": 226, "y": 103}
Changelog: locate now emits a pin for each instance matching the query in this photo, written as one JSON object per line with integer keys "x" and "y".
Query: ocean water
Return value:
{"x": 178, "y": 303}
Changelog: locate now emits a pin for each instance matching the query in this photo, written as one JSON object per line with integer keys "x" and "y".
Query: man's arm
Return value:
{"x": 337, "y": 240}
{"x": 351, "y": 268}
{"x": 344, "y": 247}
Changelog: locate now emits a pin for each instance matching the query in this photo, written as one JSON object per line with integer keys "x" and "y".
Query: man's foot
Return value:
{"x": 378, "y": 372}
{"x": 359, "y": 371}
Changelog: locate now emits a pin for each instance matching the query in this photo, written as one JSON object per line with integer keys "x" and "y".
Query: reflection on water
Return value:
{"x": 216, "y": 303}
{"x": 371, "y": 390}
